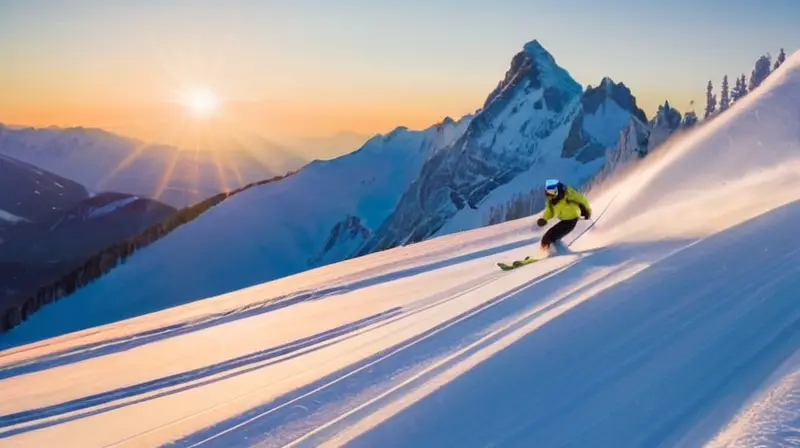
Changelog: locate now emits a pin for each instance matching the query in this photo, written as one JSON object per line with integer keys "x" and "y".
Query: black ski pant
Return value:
{"x": 558, "y": 231}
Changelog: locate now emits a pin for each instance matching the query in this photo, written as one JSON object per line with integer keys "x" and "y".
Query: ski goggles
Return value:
{"x": 551, "y": 188}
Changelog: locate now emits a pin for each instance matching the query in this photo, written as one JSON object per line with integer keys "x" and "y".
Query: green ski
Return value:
{"x": 518, "y": 263}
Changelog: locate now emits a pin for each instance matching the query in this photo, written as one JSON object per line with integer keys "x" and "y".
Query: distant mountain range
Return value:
{"x": 102, "y": 161}
{"x": 50, "y": 224}
{"x": 398, "y": 188}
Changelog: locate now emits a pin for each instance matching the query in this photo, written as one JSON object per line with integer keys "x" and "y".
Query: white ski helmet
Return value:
{"x": 551, "y": 187}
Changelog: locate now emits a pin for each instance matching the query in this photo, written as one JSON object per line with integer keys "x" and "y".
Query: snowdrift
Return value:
{"x": 673, "y": 321}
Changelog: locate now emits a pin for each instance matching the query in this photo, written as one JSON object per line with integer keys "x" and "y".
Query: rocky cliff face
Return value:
{"x": 394, "y": 161}
{"x": 633, "y": 145}
{"x": 346, "y": 236}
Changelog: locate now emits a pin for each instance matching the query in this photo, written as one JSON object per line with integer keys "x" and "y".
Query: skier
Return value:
{"x": 566, "y": 204}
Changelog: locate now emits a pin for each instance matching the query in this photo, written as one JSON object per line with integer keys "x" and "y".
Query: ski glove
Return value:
{"x": 585, "y": 213}
{"x": 541, "y": 222}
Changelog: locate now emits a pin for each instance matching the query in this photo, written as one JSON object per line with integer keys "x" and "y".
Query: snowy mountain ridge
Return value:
{"x": 103, "y": 161}
{"x": 405, "y": 151}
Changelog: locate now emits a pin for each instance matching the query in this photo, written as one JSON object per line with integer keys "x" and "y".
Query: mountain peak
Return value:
{"x": 535, "y": 67}
{"x": 543, "y": 58}
{"x": 607, "y": 83}
{"x": 667, "y": 116}
{"x": 535, "y": 48}
{"x": 617, "y": 92}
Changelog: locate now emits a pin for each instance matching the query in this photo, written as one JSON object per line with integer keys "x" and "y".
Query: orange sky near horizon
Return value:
{"x": 274, "y": 121}
{"x": 280, "y": 121}
{"x": 288, "y": 70}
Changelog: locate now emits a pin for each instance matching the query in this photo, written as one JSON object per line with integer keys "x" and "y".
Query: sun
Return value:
{"x": 201, "y": 102}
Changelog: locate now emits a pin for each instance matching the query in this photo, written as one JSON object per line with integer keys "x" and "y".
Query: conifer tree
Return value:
{"x": 689, "y": 119}
{"x": 711, "y": 100}
{"x": 760, "y": 72}
{"x": 743, "y": 86}
{"x": 779, "y": 60}
{"x": 735, "y": 92}
{"x": 724, "y": 98}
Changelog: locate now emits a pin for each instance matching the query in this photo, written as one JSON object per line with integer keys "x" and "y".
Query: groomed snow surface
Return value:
{"x": 674, "y": 321}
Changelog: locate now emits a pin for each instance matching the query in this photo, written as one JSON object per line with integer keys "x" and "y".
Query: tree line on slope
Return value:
{"x": 727, "y": 96}
{"x": 20, "y": 307}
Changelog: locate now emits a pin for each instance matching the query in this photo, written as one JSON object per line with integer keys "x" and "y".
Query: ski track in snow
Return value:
{"x": 670, "y": 325}
{"x": 416, "y": 373}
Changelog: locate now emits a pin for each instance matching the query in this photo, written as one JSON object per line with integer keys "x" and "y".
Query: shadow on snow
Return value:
{"x": 347, "y": 388}
{"x": 121, "y": 344}
{"x": 237, "y": 366}
{"x": 229, "y": 368}
{"x": 686, "y": 340}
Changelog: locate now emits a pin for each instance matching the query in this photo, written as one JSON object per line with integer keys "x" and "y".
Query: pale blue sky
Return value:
{"x": 372, "y": 62}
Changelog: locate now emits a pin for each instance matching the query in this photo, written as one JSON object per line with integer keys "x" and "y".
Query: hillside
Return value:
{"x": 103, "y": 161}
{"x": 49, "y": 224}
{"x": 398, "y": 188}
{"x": 36, "y": 252}
{"x": 84, "y": 228}
{"x": 673, "y": 321}
{"x": 30, "y": 194}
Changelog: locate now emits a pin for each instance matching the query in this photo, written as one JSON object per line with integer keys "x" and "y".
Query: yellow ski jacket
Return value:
{"x": 567, "y": 207}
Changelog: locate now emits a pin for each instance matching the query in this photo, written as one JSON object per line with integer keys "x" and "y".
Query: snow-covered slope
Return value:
{"x": 268, "y": 231}
{"x": 673, "y": 322}
{"x": 103, "y": 161}
{"x": 537, "y": 124}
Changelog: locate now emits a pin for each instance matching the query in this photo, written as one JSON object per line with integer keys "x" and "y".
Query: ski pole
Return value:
{"x": 594, "y": 221}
